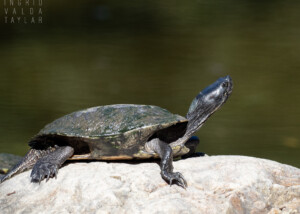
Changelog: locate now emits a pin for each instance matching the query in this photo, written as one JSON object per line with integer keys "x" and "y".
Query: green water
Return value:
{"x": 89, "y": 53}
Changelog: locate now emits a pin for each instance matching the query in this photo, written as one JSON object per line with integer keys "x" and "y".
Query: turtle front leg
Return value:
{"x": 165, "y": 152}
{"x": 48, "y": 165}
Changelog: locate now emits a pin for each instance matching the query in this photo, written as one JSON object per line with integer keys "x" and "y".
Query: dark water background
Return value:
{"x": 89, "y": 53}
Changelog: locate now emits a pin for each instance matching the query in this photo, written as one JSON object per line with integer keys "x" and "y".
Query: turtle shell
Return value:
{"x": 111, "y": 132}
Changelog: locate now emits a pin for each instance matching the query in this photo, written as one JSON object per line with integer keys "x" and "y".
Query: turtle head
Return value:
{"x": 207, "y": 102}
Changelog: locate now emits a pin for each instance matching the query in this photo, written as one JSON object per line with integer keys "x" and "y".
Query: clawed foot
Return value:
{"x": 43, "y": 170}
{"x": 176, "y": 177}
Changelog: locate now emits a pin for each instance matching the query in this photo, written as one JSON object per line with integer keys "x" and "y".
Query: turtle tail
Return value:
{"x": 27, "y": 162}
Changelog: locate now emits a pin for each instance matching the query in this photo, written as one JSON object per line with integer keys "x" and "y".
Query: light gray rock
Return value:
{"x": 7, "y": 161}
{"x": 216, "y": 184}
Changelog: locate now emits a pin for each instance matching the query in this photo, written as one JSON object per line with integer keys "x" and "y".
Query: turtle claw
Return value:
{"x": 43, "y": 170}
{"x": 55, "y": 173}
{"x": 48, "y": 175}
{"x": 178, "y": 178}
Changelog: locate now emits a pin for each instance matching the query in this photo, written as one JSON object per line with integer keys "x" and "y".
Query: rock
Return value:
{"x": 7, "y": 161}
{"x": 216, "y": 184}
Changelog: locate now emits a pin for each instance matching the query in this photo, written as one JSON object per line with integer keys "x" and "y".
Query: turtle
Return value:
{"x": 122, "y": 132}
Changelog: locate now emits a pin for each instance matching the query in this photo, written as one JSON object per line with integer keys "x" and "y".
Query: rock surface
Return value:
{"x": 7, "y": 161}
{"x": 216, "y": 184}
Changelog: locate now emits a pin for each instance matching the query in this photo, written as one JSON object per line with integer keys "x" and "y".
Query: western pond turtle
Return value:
{"x": 122, "y": 132}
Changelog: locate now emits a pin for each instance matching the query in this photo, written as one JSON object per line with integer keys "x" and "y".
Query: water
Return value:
{"x": 92, "y": 53}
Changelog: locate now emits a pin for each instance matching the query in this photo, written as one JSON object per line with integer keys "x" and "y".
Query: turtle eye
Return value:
{"x": 225, "y": 84}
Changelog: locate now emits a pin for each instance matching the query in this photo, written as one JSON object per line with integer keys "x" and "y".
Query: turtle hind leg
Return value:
{"x": 27, "y": 162}
{"x": 192, "y": 144}
{"x": 47, "y": 166}
{"x": 165, "y": 152}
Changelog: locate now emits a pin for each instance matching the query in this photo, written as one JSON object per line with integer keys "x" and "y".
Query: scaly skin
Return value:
{"x": 165, "y": 153}
{"x": 27, "y": 162}
{"x": 47, "y": 166}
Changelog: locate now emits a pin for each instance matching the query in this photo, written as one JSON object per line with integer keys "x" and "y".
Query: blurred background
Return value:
{"x": 89, "y": 53}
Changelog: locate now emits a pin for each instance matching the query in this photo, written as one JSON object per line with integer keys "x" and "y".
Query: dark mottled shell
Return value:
{"x": 112, "y": 131}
